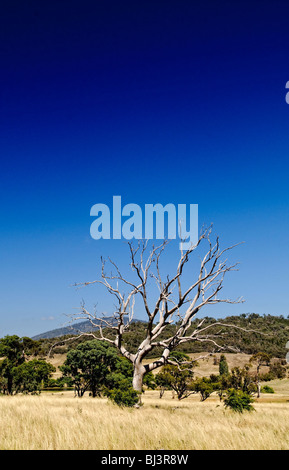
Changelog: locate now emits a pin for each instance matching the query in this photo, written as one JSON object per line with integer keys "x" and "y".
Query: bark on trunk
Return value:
{"x": 137, "y": 381}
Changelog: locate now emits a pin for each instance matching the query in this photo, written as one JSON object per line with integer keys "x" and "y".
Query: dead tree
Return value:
{"x": 172, "y": 303}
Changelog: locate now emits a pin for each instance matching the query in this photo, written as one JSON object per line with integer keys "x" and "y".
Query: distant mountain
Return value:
{"x": 74, "y": 329}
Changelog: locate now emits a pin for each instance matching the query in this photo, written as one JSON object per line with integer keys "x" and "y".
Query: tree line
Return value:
{"x": 257, "y": 332}
{"x": 97, "y": 368}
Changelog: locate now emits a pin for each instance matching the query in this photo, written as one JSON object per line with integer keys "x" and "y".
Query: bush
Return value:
{"x": 121, "y": 391}
{"x": 238, "y": 401}
{"x": 267, "y": 389}
{"x": 124, "y": 397}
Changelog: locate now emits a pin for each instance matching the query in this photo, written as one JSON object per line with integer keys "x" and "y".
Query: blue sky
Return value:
{"x": 159, "y": 102}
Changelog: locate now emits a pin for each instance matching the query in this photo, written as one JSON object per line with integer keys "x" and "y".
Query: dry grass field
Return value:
{"x": 58, "y": 421}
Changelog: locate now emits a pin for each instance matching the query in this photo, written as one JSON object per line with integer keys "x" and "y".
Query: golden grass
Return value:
{"x": 59, "y": 421}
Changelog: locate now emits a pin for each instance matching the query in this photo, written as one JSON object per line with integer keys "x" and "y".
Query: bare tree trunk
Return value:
{"x": 138, "y": 375}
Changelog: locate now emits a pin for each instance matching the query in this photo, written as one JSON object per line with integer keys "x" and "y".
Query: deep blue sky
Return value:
{"x": 156, "y": 101}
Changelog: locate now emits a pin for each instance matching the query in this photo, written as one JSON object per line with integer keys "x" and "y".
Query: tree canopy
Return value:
{"x": 18, "y": 372}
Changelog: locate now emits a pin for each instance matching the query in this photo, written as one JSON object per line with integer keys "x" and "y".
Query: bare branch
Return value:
{"x": 172, "y": 301}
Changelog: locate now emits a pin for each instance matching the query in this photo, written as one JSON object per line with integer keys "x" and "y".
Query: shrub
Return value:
{"x": 124, "y": 397}
{"x": 238, "y": 401}
{"x": 223, "y": 365}
{"x": 267, "y": 389}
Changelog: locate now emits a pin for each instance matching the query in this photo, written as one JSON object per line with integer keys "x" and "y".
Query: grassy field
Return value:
{"x": 56, "y": 421}
{"x": 59, "y": 421}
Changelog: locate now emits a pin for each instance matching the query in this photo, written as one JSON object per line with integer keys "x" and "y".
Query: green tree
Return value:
{"x": 223, "y": 365}
{"x": 163, "y": 380}
{"x": 16, "y": 372}
{"x": 95, "y": 366}
{"x": 59, "y": 383}
{"x": 177, "y": 377}
{"x": 277, "y": 370}
{"x": 12, "y": 352}
{"x": 242, "y": 379}
{"x": 31, "y": 376}
{"x": 223, "y": 384}
{"x": 204, "y": 386}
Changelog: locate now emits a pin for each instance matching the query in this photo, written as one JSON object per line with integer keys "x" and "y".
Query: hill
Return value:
{"x": 74, "y": 329}
{"x": 248, "y": 334}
